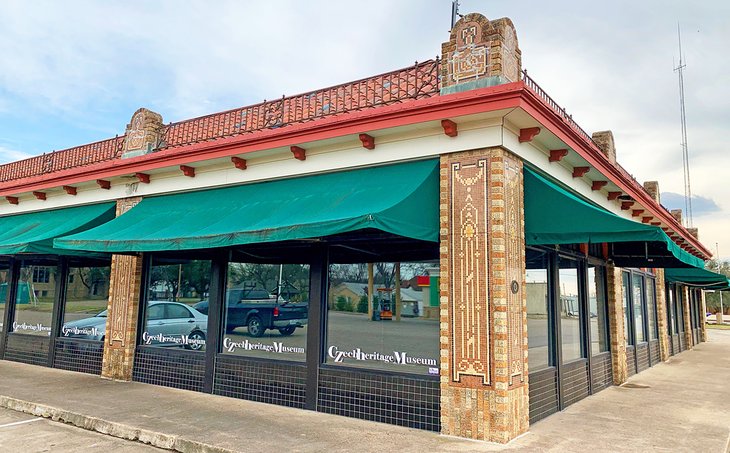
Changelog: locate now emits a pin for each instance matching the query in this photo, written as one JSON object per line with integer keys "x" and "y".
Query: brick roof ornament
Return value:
{"x": 480, "y": 53}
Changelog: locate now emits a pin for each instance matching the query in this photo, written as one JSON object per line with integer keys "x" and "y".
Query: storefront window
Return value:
{"x": 4, "y": 279}
{"x": 394, "y": 333}
{"x": 679, "y": 308}
{"x": 597, "y": 306}
{"x": 625, "y": 301}
{"x": 672, "y": 329}
{"x": 538, "y": 325}
{"x": 176, "y": 288}
{"x": 638, "y": 299}
{"x": 87, "y": 294}
{"x": 570, "y": 331}
{"x": 266, "y": 311}
{"x": 651, "y": 309}
{"x": 34, "y": 299}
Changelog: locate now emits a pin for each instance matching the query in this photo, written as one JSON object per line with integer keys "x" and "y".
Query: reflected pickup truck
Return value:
{"x": 258, "y": 312}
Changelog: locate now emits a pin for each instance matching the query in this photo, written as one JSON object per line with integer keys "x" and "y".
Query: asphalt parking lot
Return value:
{"x": 25, "y": 433}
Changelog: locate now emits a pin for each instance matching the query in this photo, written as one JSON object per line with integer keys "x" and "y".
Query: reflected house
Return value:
{"x": 352, "y": 292}
{"x": 549, "y": 272}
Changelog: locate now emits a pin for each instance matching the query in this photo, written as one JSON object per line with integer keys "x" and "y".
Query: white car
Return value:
{"x": 168, "y": 324}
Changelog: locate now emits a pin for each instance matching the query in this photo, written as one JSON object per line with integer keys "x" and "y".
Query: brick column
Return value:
{"x": 703, "y": 323}
{"x": 122, "y": 310}
{"x": 616, "y": 320}
{"x": 484, "y": 392}
{"x": 687, "y": 319}
{"x": 661, "y": 314}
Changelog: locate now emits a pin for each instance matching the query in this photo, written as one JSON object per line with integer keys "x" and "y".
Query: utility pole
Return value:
{"x": 454, "y": 12}
{"x": 722, "y": 311}
{"x": 685, "y": 151}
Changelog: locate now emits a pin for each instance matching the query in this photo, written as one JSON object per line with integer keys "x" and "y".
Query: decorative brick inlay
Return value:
{"x": 483, "y": 304}
{"x": 661, "y": 314}
{"x": 123, "y": 306}
{"x": 469, "y": 267}
{"x": 616, "y": 320}
{"x": 480, "y": 48}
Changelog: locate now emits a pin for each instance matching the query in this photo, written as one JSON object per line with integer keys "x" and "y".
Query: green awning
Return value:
{"x": 401, "y": 199}
{"x": 697, "y": 277}
{"x": 553, "y": 215}
{"x": 34, "y": 232}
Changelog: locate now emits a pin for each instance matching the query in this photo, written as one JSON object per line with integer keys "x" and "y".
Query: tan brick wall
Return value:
{"x": 616, "y": 320}
{"x": 703, "y": 324}
{"x": 687, "y": 319}
{"x": 484, "y": 392}
{"x": 123, "y": 308}
{"x": 661, "y": 314}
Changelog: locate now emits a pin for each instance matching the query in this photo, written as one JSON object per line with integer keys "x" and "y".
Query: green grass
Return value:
{"x": 719, "y": 326}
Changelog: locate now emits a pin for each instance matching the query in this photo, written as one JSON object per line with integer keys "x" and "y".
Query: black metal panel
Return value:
{"x": 395, "y": 399}
{"x": 169, "y": 367}
{"x": 675, "y": 344}
{"x": 543, "y": 393}
{"x": 630, "y": 360}
{"x": 575, "y": 382}
{"x": 602, "y": 371}
{"x": 78, "y": 355}
{"x": 642, "y": 357}
{"x": 27, "y": 349}
{"x": 655, "y": 351}
{"x": 682, "y": 342}
{"x": 266, "y": 381}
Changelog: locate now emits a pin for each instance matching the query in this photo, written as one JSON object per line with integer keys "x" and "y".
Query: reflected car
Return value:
{"x": 169, "y": 324}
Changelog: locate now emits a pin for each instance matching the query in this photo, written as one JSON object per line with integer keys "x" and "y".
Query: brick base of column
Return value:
{"x": 661, "y": 313}
{"x": 616, "y": 320}
{"x": 121, "y": 324}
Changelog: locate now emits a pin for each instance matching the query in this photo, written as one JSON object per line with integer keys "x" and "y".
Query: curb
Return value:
{"x": 114, "y": 429}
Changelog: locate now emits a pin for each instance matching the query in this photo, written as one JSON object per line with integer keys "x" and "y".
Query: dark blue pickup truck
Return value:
{"x": 257, "y": 311}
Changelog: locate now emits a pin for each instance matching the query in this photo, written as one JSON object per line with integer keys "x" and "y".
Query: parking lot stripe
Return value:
{"x": 21, "y": 422}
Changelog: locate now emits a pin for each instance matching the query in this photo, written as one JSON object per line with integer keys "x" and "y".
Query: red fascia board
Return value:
{"x": 418, "y": 111}
{"x": 545, "y": 115}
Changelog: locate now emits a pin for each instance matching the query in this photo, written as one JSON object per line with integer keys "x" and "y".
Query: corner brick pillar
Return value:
{"x": 484, "y": 391}
{"x": 703, "y": 324}
{"x": 122, "y": 309}
{"x": 687, "y": 318}
{"x": 616, "y": 320}
{"x": 661, "y": 314}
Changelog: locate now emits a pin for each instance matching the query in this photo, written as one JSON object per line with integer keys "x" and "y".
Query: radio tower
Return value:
{"x": 685, "y": 152}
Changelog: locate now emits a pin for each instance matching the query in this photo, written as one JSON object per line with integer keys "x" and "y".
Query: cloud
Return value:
{"x": 700, "y": 205}
{"x": 11, "y": 155}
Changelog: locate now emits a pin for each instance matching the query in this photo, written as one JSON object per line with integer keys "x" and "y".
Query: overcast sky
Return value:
{"x": 73, "y": 72}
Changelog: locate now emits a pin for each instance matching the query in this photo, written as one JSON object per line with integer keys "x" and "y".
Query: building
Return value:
{"x": 557, "y": 274}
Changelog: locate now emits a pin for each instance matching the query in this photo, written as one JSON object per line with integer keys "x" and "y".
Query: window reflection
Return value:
{"x": 87, "y": 293}
{"x": 538, "y": 329}
{"x": 4, "y": 275}
{"x": 34, "y": 299}
{"x": 266, "y": 310}
{"x": 596, "y": 285}
{"x": 651, "y": 309}
{"x": 570, "y": 331}
{"x": 388, "y": 331}
{"x": 638, "y": 299}
{"x": 172, "y": 319}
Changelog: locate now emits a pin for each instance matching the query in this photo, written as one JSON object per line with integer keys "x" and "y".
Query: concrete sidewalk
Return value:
{"x": 675, "y": 406}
